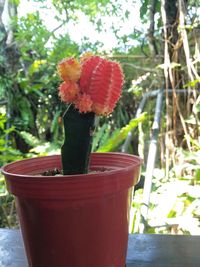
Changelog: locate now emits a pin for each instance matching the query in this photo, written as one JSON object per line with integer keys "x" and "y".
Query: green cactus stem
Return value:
{"x": 78, "y": 130}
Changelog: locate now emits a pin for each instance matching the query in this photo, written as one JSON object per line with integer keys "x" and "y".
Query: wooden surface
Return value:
{"x": 143, "y": 250}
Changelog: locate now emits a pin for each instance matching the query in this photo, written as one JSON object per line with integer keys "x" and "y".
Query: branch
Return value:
{"x": 55, "y": 29}
{"x": 59, "y": 26}
{"x": 193, "y": 74}
{"x": 138, "y": 67}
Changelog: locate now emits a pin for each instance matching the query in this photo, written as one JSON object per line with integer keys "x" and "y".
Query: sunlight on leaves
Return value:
{"x": 117, "y": 138}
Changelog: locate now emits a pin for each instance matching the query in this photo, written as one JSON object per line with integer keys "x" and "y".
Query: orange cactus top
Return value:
{"x": 93, "y": 85}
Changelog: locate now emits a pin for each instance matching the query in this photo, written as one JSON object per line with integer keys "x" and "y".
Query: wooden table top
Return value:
{"x": 144, "y": 250}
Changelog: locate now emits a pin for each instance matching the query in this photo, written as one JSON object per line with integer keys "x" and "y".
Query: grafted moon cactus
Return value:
{"x": 102, "y": 81}
{"x": 92, "y": 86}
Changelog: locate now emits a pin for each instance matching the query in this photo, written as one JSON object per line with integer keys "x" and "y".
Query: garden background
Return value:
{"x": 157, "y": 43}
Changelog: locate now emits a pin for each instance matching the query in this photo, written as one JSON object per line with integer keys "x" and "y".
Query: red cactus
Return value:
{"x": 102, "y": 80}
{"x": 99, "y": 87}
{"x": 68, "y": 91}
{"x": 84, "y": 103}
{"x": 69, "y": 69}
{"x": 88, "y": 68}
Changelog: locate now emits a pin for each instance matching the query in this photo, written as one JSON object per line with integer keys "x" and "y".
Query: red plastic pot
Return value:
{"x": 74, "y": 221}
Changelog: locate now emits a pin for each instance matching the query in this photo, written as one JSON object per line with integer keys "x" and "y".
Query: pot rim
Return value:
{"x": 138, "y": 161}
{"x": 123, "y": 173}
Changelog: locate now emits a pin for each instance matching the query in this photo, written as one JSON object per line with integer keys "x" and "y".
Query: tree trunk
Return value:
{"x": 150, "y": 34}
{"x": 172, "y": 49}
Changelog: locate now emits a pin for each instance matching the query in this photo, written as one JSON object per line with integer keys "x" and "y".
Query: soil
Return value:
{"x": 53, "y": 172}
{"x": 58, "y": 172}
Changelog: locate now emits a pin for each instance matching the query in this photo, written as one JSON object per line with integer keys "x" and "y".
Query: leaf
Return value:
{"x": 36, "y": 65}
{"x": 197, "y": 107}
{"x": 2, "y": 121}
{"x": 192, "y": 83}
{"x": 197, "y": 175}
{"x": 30, "y": 139}
{"x": 100, "y": 136}
{"x": 10, "y": 130}
{"x": 46, "y": 149}
{"x": 192, "y": 120}
{"x": 144, "y": 9}
{"x": 172, "y": 65}
{"x": 118, "y": 137}
{"x": 127, "y": 13}
{"x": 55, "y": 125}
{"x": 25, "y": 110}
{"x": 99, "y": 25}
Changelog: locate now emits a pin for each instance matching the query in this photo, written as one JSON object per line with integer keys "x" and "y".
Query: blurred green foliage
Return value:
{"x": 32, "y": 125}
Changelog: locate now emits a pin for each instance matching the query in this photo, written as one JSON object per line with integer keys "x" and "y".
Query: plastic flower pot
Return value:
{"x": 74, "y": 220}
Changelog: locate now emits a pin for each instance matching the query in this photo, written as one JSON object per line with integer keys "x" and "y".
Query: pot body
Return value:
{"x": 74, "y": 221}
